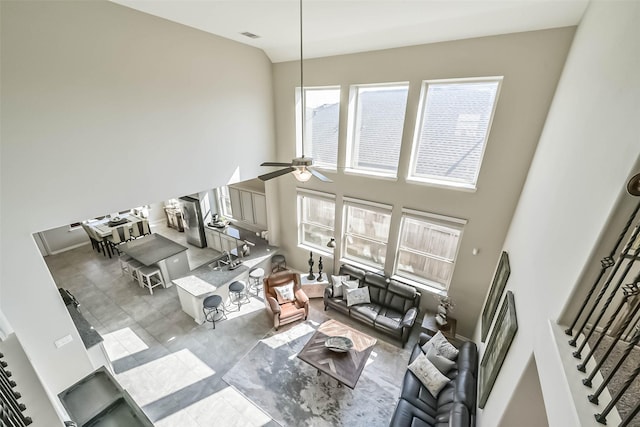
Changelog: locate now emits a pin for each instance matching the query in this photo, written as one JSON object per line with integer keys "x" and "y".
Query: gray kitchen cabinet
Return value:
{"x": 213, "y": 240}
{"x": 248, "y": 206}
{"x": 260, "y": 210}
{"x": 236, "y": 203}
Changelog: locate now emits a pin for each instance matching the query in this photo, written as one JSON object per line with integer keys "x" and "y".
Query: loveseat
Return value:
{"x": 455, "y": 405}
{"x": 393, "y": 308}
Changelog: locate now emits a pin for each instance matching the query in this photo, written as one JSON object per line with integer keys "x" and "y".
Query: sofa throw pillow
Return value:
{"x": 337, "y": 285}
{"x": 443, "y": 364}
{"x": 358, "y": 296}
{"x": 350, "y": 284}
{"x": 428, "y": 374}
{"x": 285, "y": 293}
{"x": 444, "y": 347}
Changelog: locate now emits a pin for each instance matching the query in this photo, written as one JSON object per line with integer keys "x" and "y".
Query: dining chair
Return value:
{"x": 94, "y": 244}
{"x": 115, "y": 239}
{"x": 100, "y": 242}
{"x": 145, "y": 227}
{"x": 135, "y": 230}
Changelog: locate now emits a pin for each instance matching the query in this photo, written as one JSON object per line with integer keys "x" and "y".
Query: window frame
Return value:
{"x": 298, "y": 122}
{"x": 220, "y": 202}
{"x": 436, "y": 181}
{"x": 438, "y": 220}
{"x": 352, "y": 139}
{"x": 372, "y": 206}
{"x": 328, "y": 197}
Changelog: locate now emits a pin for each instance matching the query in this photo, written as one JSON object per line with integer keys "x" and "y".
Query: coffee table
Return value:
{"x": 345, "y": 367}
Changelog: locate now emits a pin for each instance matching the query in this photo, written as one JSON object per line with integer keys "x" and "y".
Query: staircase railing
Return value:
{"x": 10, "y": 409}
{"x": 615, "y": 282}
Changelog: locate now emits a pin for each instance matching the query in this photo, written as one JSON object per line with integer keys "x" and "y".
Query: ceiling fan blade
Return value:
{"x": 271, "y": 175}
{"x": 319, "y": 175}
{"x": 275, "y": 164}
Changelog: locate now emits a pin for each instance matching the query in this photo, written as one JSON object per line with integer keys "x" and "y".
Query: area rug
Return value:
{"x": 293, "y": 394}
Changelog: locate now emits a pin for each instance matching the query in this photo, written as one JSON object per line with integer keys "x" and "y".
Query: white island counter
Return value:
{"x": 193, "y": 290}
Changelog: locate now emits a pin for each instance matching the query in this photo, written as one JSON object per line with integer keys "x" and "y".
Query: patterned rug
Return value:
{"x": 291, "y": 392}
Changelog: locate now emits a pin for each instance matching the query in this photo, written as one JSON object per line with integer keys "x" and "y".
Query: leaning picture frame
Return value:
{"x": 495, "y": 293}
{"x": 501, "y": 338}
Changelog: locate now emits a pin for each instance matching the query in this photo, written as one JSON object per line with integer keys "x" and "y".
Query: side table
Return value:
{"x": 430, "y": 326}
{"x": 314, "y": 288}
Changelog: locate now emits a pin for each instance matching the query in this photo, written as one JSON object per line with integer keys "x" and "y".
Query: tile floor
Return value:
{"x": 171, "y": 366}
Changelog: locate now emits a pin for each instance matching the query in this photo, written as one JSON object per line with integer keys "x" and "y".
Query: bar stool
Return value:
{"x": 210, "y": 308}
{"x": 124, "y": 264}
{"x": 278, "y": 263}
{"x": 256, "y": 275}
{"x": 146, "y": 276}
{"x": 134, "y": 266}
{"x": 237, "y": 289}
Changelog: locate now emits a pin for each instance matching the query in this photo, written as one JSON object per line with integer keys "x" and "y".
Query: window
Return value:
{"x": 366, "y": 231}
{"x": 427, "y": 248}
{"x": 224, "y": 201}
{"x": 452, "y": 133}
{"x": 322, "y": 115}
{"x": 316, "y": 219}
{"x": 376, "y": 119}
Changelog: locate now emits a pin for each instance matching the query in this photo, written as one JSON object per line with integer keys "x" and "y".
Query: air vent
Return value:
{"x": 250, "y": 35}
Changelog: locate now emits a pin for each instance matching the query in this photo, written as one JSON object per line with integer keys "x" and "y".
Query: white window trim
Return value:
{"x": 375, "y": 206}
{"x": 353, "y": 132}
{"x": 298, "y": 120}
{"x": 447, "y": 221}
{"x": 327, "y": 252}
{"x": 439, "y": 181}
{"x": 366, "y": 203}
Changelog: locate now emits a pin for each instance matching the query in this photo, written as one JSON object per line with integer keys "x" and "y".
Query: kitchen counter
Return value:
{"x": 154, "y": 249}
{"x": 90, "y": 337}
{"x": 151, "y": 249}
{"x": 236, "y": 232}
{"x": 208, "y": 279}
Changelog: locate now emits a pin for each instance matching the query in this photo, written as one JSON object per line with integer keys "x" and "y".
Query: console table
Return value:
{"x": 314, "y": 288}
{"x": 430, "y": 326}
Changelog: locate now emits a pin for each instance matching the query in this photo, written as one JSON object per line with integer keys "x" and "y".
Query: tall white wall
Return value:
{"x": 531, "y": 64}
{"x": 105, "y": 108}
{"x": 586, "y": 152}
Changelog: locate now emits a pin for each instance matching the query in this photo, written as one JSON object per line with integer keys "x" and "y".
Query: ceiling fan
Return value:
{"x": 301, "y": 167}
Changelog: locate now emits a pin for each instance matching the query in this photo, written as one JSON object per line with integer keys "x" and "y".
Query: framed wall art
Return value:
{"x": 497, "y": 348}
{"x": 495, "y": 292}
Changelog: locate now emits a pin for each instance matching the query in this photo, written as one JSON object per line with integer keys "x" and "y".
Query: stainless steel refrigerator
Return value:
{"x": 193, "y": 222}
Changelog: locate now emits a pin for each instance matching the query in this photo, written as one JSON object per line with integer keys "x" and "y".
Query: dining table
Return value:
{"x": 104, "y": 227}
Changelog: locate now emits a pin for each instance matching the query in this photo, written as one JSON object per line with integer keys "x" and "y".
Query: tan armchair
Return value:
{"x": 287, "y": 312}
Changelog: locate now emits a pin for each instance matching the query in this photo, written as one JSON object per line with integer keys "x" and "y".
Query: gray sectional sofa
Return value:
{"x": 455, "y": 405}
{"x": 393, "y": 309}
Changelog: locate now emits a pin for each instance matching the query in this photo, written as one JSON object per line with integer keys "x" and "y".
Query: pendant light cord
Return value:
{"x": 302, "y": 94}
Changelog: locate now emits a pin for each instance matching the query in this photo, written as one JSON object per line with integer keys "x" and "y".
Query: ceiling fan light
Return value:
{"x": 302, "y": 174}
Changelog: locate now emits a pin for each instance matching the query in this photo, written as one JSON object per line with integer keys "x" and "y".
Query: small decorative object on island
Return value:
{"x": 311, "y": 276}
{"x": 320, "y": 266}
{"x": 445, "y": 304}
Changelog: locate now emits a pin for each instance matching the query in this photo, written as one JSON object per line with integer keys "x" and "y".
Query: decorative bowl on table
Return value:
{"x": 338, "y": 344}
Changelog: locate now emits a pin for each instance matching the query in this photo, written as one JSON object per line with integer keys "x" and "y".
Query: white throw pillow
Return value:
{"x": 428, "y": 374}
{"x": 337, "y": 284}
{"x": 444, "y": 347}
{"x": 358, "y": 296}
{"x": 285, "y": 293}
{"x": 350, "y": 284}
{"x": 443, "y": 364}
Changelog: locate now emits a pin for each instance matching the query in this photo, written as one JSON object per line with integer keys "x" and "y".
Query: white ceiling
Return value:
{"x": 334, "y": 27}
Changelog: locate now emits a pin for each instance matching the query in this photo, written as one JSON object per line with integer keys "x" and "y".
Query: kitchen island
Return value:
{"x": 154, "y": 249}
{"x": 212, "y": 279}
